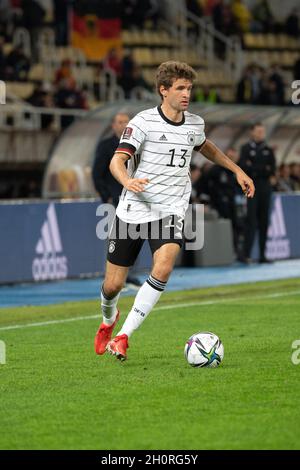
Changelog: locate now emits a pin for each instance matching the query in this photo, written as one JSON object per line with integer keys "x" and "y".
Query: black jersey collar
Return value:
{"x": 169, "y": 120}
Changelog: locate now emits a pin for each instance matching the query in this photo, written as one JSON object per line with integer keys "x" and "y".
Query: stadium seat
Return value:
{"x": 37, "y": 72}
{"x": 20, "y": 89}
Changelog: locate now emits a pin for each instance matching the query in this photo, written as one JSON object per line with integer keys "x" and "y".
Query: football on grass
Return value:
{"x": 204, "y": 349}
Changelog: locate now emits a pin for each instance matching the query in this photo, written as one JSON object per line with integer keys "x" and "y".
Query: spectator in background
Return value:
{"x": 42, "y": 98}
{"x": 37, "y": 96}
{"x": 295, "y": 175}
{"x": 113, "y": 62}
{"x": 244, "y": 87}
{"x": 61, "y": 21}
{"x": 271, "y": 92}
{"x": 202, "y": 184}
{"x": 250, "y": 85}
{"x": 17, "y": 64}
{"x": 257, "y": 159}
{"x": 127, "y": 13}
{"x": 152, "y": 14}
{"x": 69, "y": 97}
{"x": 263, "y": 17}
{"x": 292, "y": 24}
{"x": 137, "y": 12}
{"x": 272, "y": 87}
{"x": 225, "y": 23}
{"x": 229, "y": 26}
{"x": 64, "y": 71}
{"x": 139, "y": 82}
{"x": 105, "y": 184}
{"x": 223, "y": 18}
{"x": 242, "y": 15}
{"x": 217, "y": 13}
{"x": 277, "y": 78}
{"x": 47, "y": 119}
{"x": 209, "y": 6}
{"x": 222, "y": 189}
{"x": 32, "y": 19}
{"x": 127, "y": 80}
{"x": 285, "y": 184}
{"x": 33, "y": 14}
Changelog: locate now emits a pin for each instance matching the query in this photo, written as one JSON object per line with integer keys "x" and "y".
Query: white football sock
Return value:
{"x": 109, "y": 308}
{"x": 144, "y": 302}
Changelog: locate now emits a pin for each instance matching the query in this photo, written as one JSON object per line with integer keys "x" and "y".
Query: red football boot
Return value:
{"x": 118, "y": 346}
{"x": 103, "y": 335}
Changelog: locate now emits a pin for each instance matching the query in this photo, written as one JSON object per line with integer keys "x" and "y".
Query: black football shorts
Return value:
{"x": 126, "y": 240}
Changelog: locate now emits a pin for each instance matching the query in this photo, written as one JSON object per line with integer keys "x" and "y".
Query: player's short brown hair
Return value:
{"x": 170, "y": 71}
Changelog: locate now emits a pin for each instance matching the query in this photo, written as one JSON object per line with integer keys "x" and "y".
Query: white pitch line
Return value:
{"x": 163, "y": 307}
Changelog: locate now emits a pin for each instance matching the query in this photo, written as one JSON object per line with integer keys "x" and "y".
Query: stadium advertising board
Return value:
{"x": 58, "y": 240}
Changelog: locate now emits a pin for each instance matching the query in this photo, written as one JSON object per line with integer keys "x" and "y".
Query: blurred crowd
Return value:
{"x": 217, "y": 189}
{"x": 34, "y": 14}
{"x": 261, "y": 86}
{"x": 264, "y": 86}
{"x": 257, "y": 85}
{"x": 234, "y": 17}
{"x": 63, "y": 91}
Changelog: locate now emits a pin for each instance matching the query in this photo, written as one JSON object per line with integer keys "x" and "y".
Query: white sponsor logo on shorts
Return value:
{"x": 112, "y": 247}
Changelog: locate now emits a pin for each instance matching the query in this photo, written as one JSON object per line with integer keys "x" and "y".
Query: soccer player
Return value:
{"x": 158, "y": 145}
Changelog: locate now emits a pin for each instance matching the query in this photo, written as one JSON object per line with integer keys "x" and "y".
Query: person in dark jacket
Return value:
{"x": 106, "y": 185}
{"x": 257, "y": 159}
{"x": 222, "y": 189}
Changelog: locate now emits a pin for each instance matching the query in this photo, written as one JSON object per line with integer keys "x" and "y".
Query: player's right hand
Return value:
{"x": 136, "y": 185}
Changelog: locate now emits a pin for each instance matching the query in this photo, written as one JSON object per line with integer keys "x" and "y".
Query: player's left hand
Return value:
{"x": 246, "y": 184}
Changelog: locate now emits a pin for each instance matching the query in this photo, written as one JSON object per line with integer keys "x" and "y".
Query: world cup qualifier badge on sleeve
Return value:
{"x": 127, "y": 133}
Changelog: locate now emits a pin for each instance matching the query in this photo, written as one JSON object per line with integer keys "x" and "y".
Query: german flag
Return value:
{"x": 95, "y": 33}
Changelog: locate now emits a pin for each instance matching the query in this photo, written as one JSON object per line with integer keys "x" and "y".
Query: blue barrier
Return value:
{"x": 284, "y": 228}
{"x": 52, "y": 240}
{"x": 57, "y": 240}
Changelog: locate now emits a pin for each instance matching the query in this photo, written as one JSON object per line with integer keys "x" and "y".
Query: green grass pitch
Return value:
{"x": 57, "y": 394}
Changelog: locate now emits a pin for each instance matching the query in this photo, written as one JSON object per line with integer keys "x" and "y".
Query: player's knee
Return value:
{"x": 112, "y": 288}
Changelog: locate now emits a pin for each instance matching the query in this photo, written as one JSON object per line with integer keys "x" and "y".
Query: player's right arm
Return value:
{"x": 130, "y": 143}
{"x": 119, "y": 171}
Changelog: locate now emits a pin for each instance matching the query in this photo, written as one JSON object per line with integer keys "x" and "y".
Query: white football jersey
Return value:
{"x": 161, "y": 151}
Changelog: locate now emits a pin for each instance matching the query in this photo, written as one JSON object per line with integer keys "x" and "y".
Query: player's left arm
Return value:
{"x": 215, "y": 155}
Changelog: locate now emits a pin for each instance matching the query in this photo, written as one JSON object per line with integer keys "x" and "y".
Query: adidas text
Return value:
{"x": 51, "y": 264}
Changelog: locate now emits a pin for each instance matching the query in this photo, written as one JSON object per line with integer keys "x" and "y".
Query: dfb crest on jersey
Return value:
{"x": 191, "y": 137}
{"x": 112, "y": 246}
